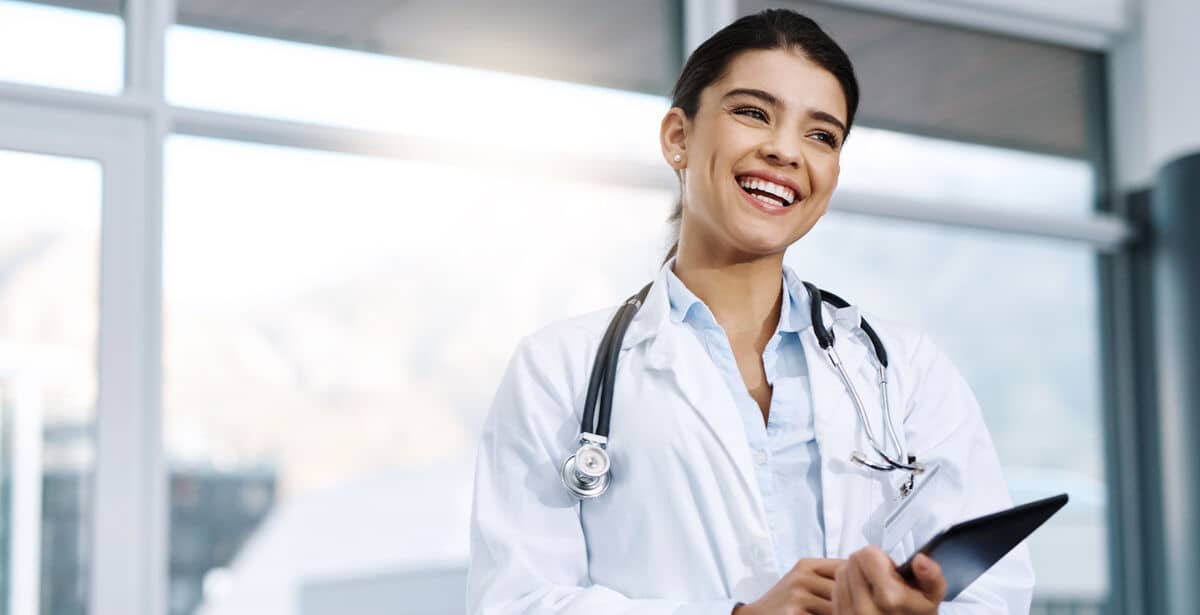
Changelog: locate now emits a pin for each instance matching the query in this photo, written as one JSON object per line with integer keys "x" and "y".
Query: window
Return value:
{"x": 34, "y": 47}
{"x": 49, "y": 264}
{"x": 885, "y": 165}
{"x": 629, "y": 45}
{"x": 335, "y": 327}
{"x": 455, "y": 106}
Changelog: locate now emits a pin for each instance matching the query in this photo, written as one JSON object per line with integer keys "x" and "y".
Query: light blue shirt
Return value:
{"x": 786, "y": 458}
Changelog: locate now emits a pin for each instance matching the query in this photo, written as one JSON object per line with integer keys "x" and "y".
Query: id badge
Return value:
{"x": 911, "y": 509}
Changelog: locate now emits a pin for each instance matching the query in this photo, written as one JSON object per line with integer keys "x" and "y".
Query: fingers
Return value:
{"x": 824, "y": 567}
{"x": 816, "y": 575}
{"x": 930, "y": 580}
{"x": 828, "y": 567}
{"x": 820, "y": 587}
{"x": 860, "y": 600}
{"x": 808, "y": 587}
{"x": 819, "y": 607}
{"x": 888, "y": 590}
{"x": 843, "y": 600}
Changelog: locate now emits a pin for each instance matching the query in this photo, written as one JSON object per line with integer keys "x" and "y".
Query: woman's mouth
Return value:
{"x": 768, "y": 196}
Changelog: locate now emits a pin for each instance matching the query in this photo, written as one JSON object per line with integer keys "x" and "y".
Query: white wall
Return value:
{"x": 1155, "y": 89}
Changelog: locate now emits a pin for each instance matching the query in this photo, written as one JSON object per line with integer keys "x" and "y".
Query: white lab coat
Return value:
{"x": 682, "y": 527}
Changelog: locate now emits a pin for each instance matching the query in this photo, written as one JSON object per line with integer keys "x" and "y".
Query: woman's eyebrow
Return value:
{"x": 762, "y": 95}
{"x": 828, "y": 117}
{"x": 770, "y": 99}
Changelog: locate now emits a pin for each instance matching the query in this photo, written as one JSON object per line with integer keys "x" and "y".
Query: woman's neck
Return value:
{"x": 743, "y": 296}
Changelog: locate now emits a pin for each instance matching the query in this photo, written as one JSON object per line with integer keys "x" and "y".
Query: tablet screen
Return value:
{"x": 968, "y": 549}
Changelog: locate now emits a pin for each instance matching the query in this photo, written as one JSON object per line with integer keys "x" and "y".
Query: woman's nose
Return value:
{"x": 784, "y": 151}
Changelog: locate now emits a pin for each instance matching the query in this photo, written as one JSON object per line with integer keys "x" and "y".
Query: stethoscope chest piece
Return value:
{"x": 586, "y": 473}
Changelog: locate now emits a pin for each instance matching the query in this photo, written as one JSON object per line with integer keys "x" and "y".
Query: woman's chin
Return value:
{"x": 757, "y": 235}
{"x": 745, "y": 238}
{"x": 763, "y": 244}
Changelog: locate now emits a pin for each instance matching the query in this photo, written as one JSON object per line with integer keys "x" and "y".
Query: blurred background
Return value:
{"x": 263, "y": 263}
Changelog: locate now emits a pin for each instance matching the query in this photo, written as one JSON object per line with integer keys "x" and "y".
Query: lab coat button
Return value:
{"x": 760, "y": 458}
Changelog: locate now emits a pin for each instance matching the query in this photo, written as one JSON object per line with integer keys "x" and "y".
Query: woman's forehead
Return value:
{"x": 795, "y": 81}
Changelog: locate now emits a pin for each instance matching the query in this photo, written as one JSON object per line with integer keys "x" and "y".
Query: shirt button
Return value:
{"x": 760, "y": 458}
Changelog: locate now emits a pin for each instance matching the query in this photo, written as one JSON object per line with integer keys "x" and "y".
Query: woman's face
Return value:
{"x": 760, "y": 159}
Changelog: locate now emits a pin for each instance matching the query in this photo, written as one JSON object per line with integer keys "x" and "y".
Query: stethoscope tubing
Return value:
{"x": 825, "y": 337}
{"x": 601, "y": 384}
{"x": 604, "y": 370}
{"x": 593, "y": 391}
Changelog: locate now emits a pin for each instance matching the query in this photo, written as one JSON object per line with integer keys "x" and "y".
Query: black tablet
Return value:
{"x": 966, "y": 550}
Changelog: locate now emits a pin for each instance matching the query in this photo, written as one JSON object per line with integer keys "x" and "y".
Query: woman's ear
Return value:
{"x": 673, "y": 138}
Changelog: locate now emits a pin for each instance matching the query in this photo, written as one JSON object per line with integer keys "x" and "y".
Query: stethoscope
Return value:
{"x": 588, "y": 472}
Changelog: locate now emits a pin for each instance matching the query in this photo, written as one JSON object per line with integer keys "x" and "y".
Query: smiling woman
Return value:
{"x": 773, "y": 126}
{"x": 737, "y": 483}
{"x": 815, "y": 57}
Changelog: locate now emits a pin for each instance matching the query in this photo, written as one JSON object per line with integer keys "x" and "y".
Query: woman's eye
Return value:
{"x": 751, "y": 112}
{"x": 826, "y": 138}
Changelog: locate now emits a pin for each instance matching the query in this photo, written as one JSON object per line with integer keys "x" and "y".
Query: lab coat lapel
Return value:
{"x": 844, "y": 498}
{"x": 674, "y": 350}
{"x": 677, "y": 352}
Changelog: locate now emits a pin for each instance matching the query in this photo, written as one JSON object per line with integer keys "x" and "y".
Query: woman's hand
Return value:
{"x": 869, "y": 584}
{"x": 806, "y": 588}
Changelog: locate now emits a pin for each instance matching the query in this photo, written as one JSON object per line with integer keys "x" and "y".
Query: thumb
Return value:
{"x": 930, "y": 580}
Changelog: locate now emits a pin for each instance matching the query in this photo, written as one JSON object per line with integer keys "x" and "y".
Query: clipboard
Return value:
{"x": 966, "y": 550}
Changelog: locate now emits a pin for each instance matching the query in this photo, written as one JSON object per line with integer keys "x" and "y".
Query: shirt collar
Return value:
{"x": 687, "y": 307}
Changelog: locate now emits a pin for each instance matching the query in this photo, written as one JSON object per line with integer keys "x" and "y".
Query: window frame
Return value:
{"x": 125, "y": 530}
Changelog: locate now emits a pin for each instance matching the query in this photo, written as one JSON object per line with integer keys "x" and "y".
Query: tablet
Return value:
{"x": 966, "y": 550}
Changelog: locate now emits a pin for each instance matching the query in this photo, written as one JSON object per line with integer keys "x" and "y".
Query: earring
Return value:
{"x": 678, "y": 158}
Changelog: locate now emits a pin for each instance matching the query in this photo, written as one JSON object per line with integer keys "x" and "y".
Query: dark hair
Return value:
{"x": 769, "y": 29}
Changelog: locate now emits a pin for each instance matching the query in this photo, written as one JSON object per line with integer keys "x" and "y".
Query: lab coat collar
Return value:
{"x": 654, "y": 314}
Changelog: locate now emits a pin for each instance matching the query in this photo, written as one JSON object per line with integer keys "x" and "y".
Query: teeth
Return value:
{"x": 761, "y": 184}
{"x": 766, "y": 199}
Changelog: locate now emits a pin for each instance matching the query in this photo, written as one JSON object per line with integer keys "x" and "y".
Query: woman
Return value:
{"x": 732, "y": 488}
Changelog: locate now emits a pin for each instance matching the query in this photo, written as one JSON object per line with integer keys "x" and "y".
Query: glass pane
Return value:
{"x": 990, "y": 302}
{"x": 49, "y": 267}
{"x": 622, "y": 44}
{"x": 63, "y": 48}
{"x": 220, "y": 71}
{"x": 329, "y": 356}
{"x": 888, "y": 163}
